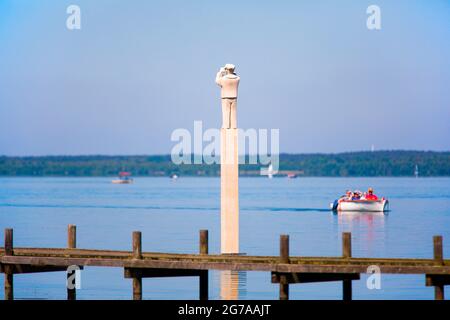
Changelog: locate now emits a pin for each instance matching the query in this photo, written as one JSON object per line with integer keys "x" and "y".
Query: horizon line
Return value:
{"x": 168, "y": 154}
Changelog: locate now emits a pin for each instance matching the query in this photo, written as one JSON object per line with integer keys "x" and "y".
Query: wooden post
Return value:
{"x": 9, "y": 277}
{"x": 347, "y": 290}
{"x": 439, "y": 292}
{"x": 346, "y": 244}
{"x": 137, "y": 288}
{"x": 284, "y": 288}
{"x": 9, "y": 251}
{"x": 439, "y": 257}
{"x": 71, "y": 236}
{"x": 9, "y": 283}
{"x": 137, "y": 254}
{"x": 137, "y": 245}
{"x": 203, "y": 241}
{"x": 284, "y": 248}
{"x": 71, "y": 244}
{"x": 284, "y": 257}
{"x": 438, "y": 249}
{"x": 203, "y": 278}
{"x": 347, "y": 253}
{"x": 203, "y": 285}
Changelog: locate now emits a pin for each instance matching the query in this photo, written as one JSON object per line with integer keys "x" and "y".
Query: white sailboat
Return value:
{"x": 270, "y": 171}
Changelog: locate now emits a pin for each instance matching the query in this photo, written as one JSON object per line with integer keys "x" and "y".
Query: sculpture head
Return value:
{"x": 229, "y": 68}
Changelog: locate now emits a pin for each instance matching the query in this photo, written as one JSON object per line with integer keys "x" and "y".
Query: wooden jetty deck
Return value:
{"x": 284, "y": 269}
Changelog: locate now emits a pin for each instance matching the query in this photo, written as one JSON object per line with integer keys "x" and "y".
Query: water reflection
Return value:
{"x": 232, "y": 284}
{"x": 367, "y": 227}
{"x": 368, "y": 218}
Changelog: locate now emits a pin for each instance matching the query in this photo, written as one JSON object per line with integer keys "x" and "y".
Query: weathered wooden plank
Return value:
{"x": 437, "y": 279}
{"x": 110, "y": 254}
{"x": 302, "y": 267}
{"x": 24, "y": 268}
{"x": 160, "y": 273}
{"x": 313, "y": 277}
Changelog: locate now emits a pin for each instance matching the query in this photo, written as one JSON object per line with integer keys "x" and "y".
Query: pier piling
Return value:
{"x": 71, "y": 244}
{"x": 284, "y": 258}
{"x": 204, "y": 274}
{"x": 137, "y": 254}
{"x": 9, "y": 276}
{"x": 137, "y": 245}
{"x": 346, "y": 245}
{"x": 204, "y": 242}
{"x": 71, "y": 236}
{"x": 347, "y": 253}
{"x": 9, "y": 251}
{"x": 439, "y": 257}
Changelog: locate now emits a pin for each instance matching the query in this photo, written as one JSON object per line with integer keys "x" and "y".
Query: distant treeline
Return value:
{"x": 350, "y": 164}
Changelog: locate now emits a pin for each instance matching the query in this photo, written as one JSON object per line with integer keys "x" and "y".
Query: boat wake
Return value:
{"x": 215, "y": 209}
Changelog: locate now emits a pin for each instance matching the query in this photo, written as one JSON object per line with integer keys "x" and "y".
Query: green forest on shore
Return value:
{"x": 349, "y": 164}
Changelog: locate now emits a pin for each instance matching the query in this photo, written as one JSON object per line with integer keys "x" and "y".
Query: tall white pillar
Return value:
{"x": 229, "y": 191}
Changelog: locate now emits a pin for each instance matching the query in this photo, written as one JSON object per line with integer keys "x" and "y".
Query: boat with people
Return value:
{"x": 360, "y": 201}
{"x": 124, "y": 178}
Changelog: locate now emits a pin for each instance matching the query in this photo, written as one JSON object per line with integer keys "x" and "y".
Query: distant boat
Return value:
{"x": 361, "y": 205}
{"x": 416, "y": 171}
{"x": 174, "y": 176}
{"x": 267, "y": 171}
{"x": 358, "y": 201}
{"x": 292, "y": 175}
{"x": 124, "y": 178}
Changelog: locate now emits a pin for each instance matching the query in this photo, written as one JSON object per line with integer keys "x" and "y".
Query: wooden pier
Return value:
{"x": 285, "y": 269}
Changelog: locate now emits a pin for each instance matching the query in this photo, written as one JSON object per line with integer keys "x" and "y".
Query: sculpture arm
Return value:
{"x": 219, "y": 76}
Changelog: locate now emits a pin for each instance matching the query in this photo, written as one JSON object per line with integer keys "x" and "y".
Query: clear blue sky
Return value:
{"x": 137, "y": 70}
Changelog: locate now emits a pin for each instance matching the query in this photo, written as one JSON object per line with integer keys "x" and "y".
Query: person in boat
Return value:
{"x": 356, "y": 196}
{"x": 348, "y": 195}
{"x": 370, "y": 195}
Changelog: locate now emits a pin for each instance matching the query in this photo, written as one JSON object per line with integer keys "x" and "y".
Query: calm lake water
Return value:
{"x": 170, "y": 214}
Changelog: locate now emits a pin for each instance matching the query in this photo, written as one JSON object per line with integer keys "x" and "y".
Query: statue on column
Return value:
{"x": 227, "y": 79}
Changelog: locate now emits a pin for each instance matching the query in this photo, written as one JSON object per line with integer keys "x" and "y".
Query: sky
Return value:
{"x": 138, "y": 70}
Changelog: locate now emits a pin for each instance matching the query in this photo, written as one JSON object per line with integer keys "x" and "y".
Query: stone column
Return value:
{"x": 229, "y": 191}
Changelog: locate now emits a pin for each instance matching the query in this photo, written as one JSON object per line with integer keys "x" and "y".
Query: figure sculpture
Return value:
{"x": 227, "y": 79}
